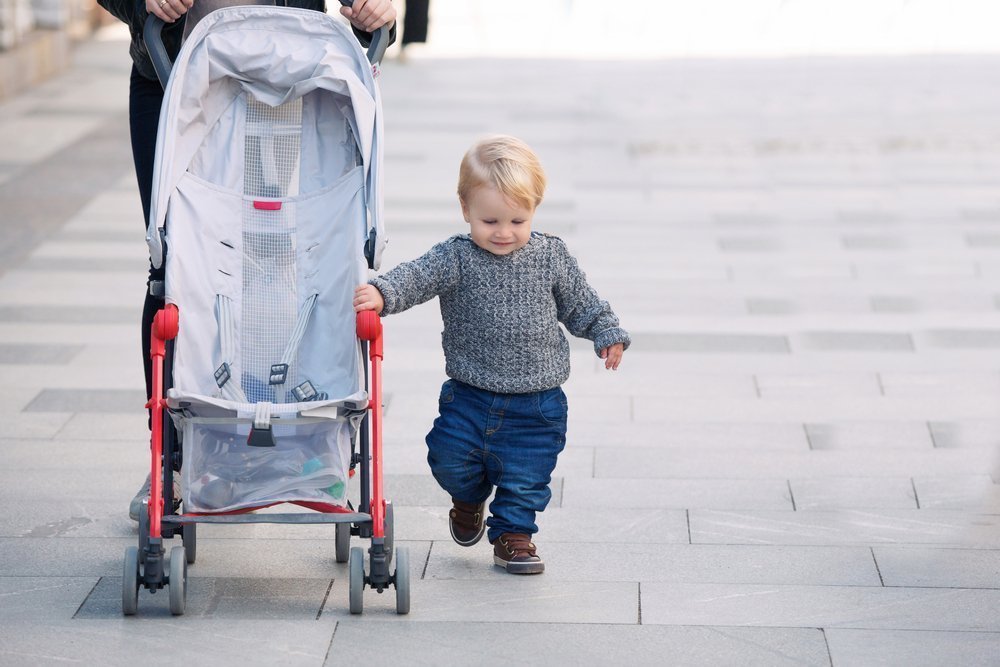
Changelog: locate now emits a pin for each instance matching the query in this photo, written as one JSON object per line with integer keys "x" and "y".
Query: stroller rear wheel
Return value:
{"x": 130, "y": 582}
{"x": 343, "y": 542}
{"x": 189, "y": 537}
{"x": 357, "y": 580}
{"x": 143, "y": 527}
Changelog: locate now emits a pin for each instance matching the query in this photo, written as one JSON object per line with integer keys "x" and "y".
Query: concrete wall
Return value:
{"x": 36, "y": 38}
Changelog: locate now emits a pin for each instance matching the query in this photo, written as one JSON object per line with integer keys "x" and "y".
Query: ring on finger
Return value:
{"x": 162, "y": 2}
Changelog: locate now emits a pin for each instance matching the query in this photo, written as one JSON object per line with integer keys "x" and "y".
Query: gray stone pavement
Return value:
{"x": 794, "y": 465}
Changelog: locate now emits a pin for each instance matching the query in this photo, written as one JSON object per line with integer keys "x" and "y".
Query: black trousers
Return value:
{"x": 415, "y": 21}
{"x": 144, "y": 100}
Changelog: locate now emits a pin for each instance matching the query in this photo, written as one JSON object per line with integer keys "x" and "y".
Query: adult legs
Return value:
{"x": 145, "y": 98}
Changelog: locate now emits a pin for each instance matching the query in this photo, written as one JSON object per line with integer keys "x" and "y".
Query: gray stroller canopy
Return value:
{"x": 277, "y": 56}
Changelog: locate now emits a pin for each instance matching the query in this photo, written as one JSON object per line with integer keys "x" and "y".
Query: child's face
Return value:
{"x": 498, "y": 224}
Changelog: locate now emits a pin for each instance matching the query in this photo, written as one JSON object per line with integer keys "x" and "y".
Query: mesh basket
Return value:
{"x": 221, "y": 472}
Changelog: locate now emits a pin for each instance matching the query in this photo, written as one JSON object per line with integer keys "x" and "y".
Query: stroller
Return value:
{"x": 266, "y": 210}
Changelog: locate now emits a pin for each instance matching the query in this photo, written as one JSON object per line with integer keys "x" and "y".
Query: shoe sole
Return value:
{"x": 519, "y": 568}
{"x": 466, "y": 543}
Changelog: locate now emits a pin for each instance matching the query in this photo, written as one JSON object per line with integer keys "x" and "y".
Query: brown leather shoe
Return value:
{"x": 515, "y": 553}
{"x": 465, "y": 521}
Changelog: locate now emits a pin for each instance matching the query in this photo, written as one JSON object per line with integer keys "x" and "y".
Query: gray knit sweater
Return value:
{"x": 502, "y": 313}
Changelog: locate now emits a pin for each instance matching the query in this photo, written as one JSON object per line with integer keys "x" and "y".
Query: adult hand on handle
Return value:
{"x": 366, "y": 15}
{"x": 168, "y": 10}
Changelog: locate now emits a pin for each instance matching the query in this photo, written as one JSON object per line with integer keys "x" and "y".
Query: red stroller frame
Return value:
{"x": 145, "y": 564}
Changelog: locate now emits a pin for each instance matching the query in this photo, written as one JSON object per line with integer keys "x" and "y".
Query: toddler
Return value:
{"x": 503, "y": 291}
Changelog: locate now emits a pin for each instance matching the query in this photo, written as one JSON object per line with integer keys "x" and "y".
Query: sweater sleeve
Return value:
{"x": 412, "y": 283}
{"x": 580, "y": 309}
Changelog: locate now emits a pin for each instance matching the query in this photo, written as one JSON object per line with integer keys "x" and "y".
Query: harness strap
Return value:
{"x": 227, "y": 343}
{"x": 279, "y": 371}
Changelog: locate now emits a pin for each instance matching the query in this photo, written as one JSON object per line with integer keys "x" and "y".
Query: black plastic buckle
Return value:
{"x": 222, "y": 374}
{"x": 260, "y": 437}
{"x": 370, "y": 249}
{"x": 279, "y": 373}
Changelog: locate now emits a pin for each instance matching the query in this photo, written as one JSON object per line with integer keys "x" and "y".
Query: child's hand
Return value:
{"x": 612, "y": 355}
{"x": 367, "y": 297}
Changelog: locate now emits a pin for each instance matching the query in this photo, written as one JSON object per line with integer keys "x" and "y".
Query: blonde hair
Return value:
{"x": 506, "y": 163}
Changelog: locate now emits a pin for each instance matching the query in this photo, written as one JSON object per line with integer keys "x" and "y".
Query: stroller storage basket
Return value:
{"x": 222, "y": 473}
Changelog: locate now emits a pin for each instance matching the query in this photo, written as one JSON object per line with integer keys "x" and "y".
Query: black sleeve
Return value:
{"x": 123, "y": 10}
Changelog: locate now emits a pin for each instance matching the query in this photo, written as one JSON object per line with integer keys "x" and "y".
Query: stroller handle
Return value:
{"x": 379, "y": 42}
{"x": 152, "y": 35}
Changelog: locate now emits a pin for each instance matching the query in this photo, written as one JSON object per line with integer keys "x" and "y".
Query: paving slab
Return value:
{"x": 853, "y": 492}
{"x": 939, "y": 567}
{"x": 627, "y": 462}
{"x": 677, "y": 493}
{"x": 549, "y": 643}
{"x": 957, "y": 609}
{"x": 224, "y": 598}
{"x": 973, "y": 492}
{"x": 907, "y": 647}
{"x": 519, "y": 600}
{"x": 582, "y": 561}
{"x": 116, "y": 641}
{"x": 845, "y": 527}
{"x": 38, "y": 599}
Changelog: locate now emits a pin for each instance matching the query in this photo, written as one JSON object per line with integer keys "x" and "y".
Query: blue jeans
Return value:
{"x": 482, "y": 439}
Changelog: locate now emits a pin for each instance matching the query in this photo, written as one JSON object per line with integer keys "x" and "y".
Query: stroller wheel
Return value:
{"x": 178, "y": 581}
{"x": 343, "y": 541}
{"x": 189, "y": 537}
{"x": 130, "y": 582}
{"x": 143, "y": 527}
{"x": 357, "y": 580}
{"x": 402, "y": 581}
{"x": 388, "y": 532}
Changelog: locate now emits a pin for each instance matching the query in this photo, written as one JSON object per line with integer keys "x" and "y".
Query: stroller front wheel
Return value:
{"x": 130, "y": 582}
{"x": 402, "y": 581}
{"x": 178, "y": 581}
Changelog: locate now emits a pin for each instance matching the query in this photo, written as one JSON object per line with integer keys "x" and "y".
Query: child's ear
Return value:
{"x": 465, "y": 209}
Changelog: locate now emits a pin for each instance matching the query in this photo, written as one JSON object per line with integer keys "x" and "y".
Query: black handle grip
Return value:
{"x": 380, "y": 40}
{"x": 152, "y": 36}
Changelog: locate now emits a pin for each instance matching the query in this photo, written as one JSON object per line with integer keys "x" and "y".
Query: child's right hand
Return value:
{"x": 367, "y": 297}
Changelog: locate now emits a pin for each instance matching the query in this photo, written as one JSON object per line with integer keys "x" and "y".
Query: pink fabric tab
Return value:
{"x": 267, "y": 205}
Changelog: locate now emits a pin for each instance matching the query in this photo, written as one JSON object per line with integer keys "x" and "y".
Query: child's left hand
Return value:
{"x": 612, "y": 355}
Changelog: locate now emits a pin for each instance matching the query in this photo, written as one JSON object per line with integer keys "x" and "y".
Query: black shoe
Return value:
{"x": 465, "y": 521}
